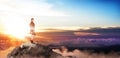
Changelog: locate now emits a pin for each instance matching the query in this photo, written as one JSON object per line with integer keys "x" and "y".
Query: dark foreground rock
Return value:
{"x": 32, "y": 50}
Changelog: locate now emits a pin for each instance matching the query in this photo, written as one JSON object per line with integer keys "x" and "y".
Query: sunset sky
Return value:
{"x": 82, "y": 22}
{"x": 61, "y": 14}
{"x": 73, "y": 23}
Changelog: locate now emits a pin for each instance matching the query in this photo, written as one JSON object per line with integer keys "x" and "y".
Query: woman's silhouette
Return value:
{"x": 32, "y": 29}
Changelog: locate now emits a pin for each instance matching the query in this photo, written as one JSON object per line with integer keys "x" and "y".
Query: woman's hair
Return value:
{"x": 32, "y": 19}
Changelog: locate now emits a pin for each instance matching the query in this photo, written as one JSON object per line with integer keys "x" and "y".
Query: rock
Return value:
{"x": 33, "y": 50}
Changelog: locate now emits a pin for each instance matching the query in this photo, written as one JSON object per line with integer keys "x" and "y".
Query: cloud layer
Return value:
{"x": 92, "y": 37}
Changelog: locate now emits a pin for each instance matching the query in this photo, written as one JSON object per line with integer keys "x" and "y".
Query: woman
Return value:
{"x": 32, "y": 29}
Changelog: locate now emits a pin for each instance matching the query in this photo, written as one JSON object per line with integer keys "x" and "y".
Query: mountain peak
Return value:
{"x": 33, "y": 50}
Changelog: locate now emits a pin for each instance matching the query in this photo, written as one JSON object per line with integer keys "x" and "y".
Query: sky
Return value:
{"x": 82, "y": 22}
{"x": 60, "y": 14}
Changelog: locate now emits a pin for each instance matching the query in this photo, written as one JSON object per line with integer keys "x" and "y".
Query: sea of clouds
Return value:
{"x": 85, "y": 53}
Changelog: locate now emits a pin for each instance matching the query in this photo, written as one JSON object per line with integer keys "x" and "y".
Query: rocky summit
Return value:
{"x": 33, "y": 50}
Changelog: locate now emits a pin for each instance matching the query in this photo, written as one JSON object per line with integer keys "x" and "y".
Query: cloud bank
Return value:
{"x": 92, "y": 37}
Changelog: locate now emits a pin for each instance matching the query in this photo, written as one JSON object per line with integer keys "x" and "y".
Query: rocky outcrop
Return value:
{"x": 33, "y": 50}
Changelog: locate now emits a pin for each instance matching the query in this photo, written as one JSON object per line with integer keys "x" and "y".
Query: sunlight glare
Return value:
{"x": 16, "y": 27}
